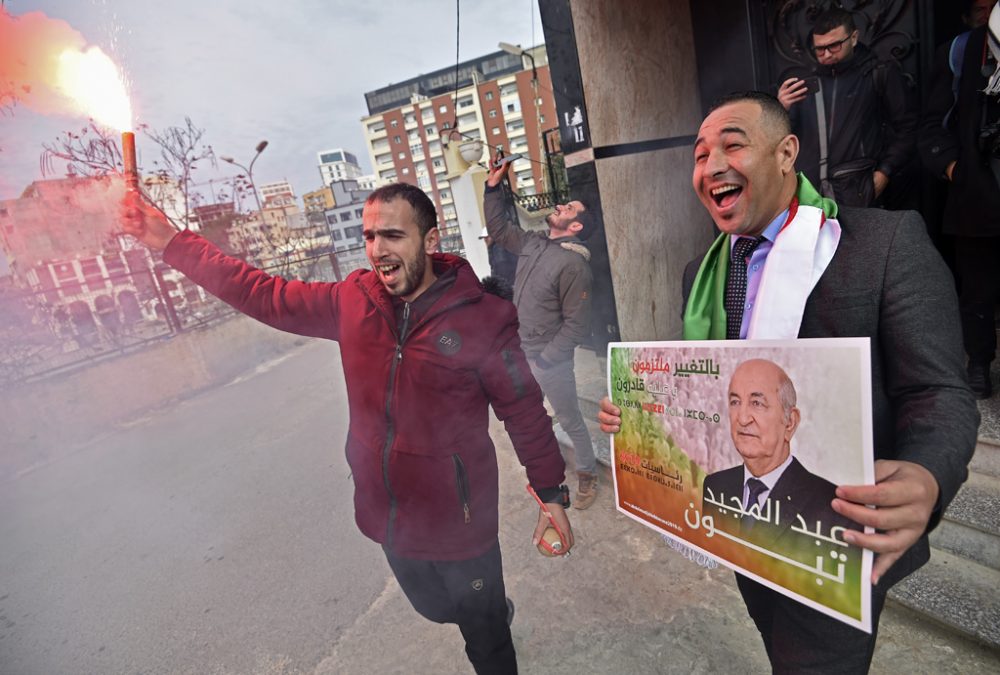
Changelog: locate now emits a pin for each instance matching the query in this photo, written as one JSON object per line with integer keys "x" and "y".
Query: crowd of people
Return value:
{"x": 427, "y": 350}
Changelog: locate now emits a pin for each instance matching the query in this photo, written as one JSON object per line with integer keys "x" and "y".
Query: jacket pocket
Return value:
{"x": 462, "y": 483}
{"x": 853, "y": 183}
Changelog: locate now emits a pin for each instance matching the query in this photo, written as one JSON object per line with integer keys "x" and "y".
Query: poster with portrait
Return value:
{"x": 734, "y": 448}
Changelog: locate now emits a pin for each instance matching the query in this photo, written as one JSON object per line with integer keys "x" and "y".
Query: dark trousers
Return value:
{"x": 798, "y": 639}
{"x": 469, "y": 593}
{"x": 977, "y": 261}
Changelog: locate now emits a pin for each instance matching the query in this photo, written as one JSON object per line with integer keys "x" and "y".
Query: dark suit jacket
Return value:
{"x": 798, "y": 491}
{"x": 887, "y": 283}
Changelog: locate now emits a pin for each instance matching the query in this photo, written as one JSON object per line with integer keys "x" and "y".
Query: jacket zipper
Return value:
{"x": 390, "y": 426}
{"x": 462, "y": 480}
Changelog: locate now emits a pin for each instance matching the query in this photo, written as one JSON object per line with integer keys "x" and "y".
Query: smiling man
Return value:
{"x": 789, "y": 263}
{"x": 425, "y": 353}
{"x": 552, "y": 287}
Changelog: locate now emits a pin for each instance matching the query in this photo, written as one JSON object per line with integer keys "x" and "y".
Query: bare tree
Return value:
{"x": 93, "y": 151}
{"x": 181, "y": 150}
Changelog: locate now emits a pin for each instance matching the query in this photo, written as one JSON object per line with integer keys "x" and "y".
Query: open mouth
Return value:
{"x": 725, "y": 196}
{"x": 388, "y": 271}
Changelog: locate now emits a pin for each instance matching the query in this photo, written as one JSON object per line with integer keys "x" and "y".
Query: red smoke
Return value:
{"x": 30, "y": 48}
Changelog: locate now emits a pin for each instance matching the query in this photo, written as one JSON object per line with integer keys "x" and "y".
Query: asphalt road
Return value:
{"x": 215, "y": 536}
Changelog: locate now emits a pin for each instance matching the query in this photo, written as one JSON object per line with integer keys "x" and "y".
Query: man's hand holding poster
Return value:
{"x": 735, "y": 448}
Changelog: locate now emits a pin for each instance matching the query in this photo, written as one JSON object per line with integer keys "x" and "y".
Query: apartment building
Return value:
{"x": 337, "y": 164}
{"x": 496, "y": 101}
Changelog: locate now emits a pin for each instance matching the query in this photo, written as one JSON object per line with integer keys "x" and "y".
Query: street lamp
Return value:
{"x": 249, "y": 172}
{"x": 517, "y": 50}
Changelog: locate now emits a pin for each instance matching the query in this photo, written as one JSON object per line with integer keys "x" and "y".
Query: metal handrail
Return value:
{"x": 538, "y": 202}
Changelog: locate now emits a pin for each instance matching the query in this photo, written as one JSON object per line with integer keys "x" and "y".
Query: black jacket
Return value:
{"x": 973, "y": 206}
{"x": 870, "y": 114}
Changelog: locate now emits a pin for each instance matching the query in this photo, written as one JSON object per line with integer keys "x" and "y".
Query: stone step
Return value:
{"x": 971, "y": 525}
{"x": 957, "y": 593}
{"x": 986, "y": 459}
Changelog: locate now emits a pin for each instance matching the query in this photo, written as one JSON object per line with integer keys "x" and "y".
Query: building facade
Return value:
{"x": 337, "y": 164}
{"x": 500, "y": 100}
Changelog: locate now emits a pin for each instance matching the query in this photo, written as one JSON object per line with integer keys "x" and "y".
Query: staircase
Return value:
{"x": 960, "y": 586}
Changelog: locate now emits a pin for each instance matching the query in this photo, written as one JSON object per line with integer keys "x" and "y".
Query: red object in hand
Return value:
{"x": 549, "y": 545}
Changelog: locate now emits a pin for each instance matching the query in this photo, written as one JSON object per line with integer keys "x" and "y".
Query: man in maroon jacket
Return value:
{"x": 425, "y": 352}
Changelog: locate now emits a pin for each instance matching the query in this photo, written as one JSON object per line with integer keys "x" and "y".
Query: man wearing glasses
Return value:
{"x": 854, "y": 117}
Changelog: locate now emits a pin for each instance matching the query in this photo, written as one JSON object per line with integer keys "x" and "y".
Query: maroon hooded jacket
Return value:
{"x": 424, "y": 466}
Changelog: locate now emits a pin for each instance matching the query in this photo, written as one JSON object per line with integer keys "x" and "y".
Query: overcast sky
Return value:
{"x": 292, "y": 72}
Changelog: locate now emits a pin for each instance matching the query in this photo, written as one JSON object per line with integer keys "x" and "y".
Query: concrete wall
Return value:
{"x": 44, "y": 420}
{"x": 637, "y": 61}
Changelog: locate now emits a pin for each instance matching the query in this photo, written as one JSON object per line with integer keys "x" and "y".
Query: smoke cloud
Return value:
{"x": 31, "y": 49}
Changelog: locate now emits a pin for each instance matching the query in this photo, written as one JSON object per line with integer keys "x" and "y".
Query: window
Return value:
{"x": 394, "y": 123}
{"x": 353, "y": 232}
{"x": 427, "y": 113}
{"x": 359, "y": 212}
{"x": 493, "y": 113}
{"x": 337, "y": 236}
{"x": 516, "y": 125}
{"x": 541, "y": 119}
{"x": 430, "y": 131}
{"x": 397, "y": 140}
{"x": 376, "y": 128}
{"x": 417, "y": 150}
{"x": 401, "y": 155}
{"x": 424, "y": 182}
{"x": 406, "y": 171}
{"x": 514, "y": 107}
{"x": 443, "y": 109}
{"x": 489, "y": 96}
{"x": 411, "y": 118}
{"x": 496, "y": 131}
{"x": 414, "y": 135}
{"x": 346, "y": 217}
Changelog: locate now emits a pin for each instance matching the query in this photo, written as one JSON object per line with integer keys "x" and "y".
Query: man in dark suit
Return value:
{"x": 883, "y": 281}
{"x": 763, "y": 418}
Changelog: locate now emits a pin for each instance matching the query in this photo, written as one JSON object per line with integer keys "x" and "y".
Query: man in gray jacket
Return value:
{"x": 552, "y": 295}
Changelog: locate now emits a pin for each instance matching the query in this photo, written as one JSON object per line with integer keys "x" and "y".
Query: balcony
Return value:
{"x": 539, "y": 202}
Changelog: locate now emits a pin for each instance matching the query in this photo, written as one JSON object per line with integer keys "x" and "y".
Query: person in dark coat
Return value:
{"x": 866, "y": 109}
{"x": 960, "y": 142}
{"x": 884, "y": 282}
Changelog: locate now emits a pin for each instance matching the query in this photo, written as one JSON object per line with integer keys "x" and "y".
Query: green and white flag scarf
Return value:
{"x": 802, "y": 250}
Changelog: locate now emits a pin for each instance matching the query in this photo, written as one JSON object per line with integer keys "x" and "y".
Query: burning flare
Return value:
{"x": 96, "y": 84}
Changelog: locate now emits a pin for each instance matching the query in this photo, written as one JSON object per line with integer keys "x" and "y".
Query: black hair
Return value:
{"x": 833, "y": 18}
{"x": 771, "y": 109}
{"x": 588, "y": 220}
{"x": 423, "y": 207}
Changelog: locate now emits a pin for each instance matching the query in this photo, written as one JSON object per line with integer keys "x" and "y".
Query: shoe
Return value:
{"x": 586, "y": 491}
{"x": 510, "y": 611}
{"x": 979, "y": 379}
